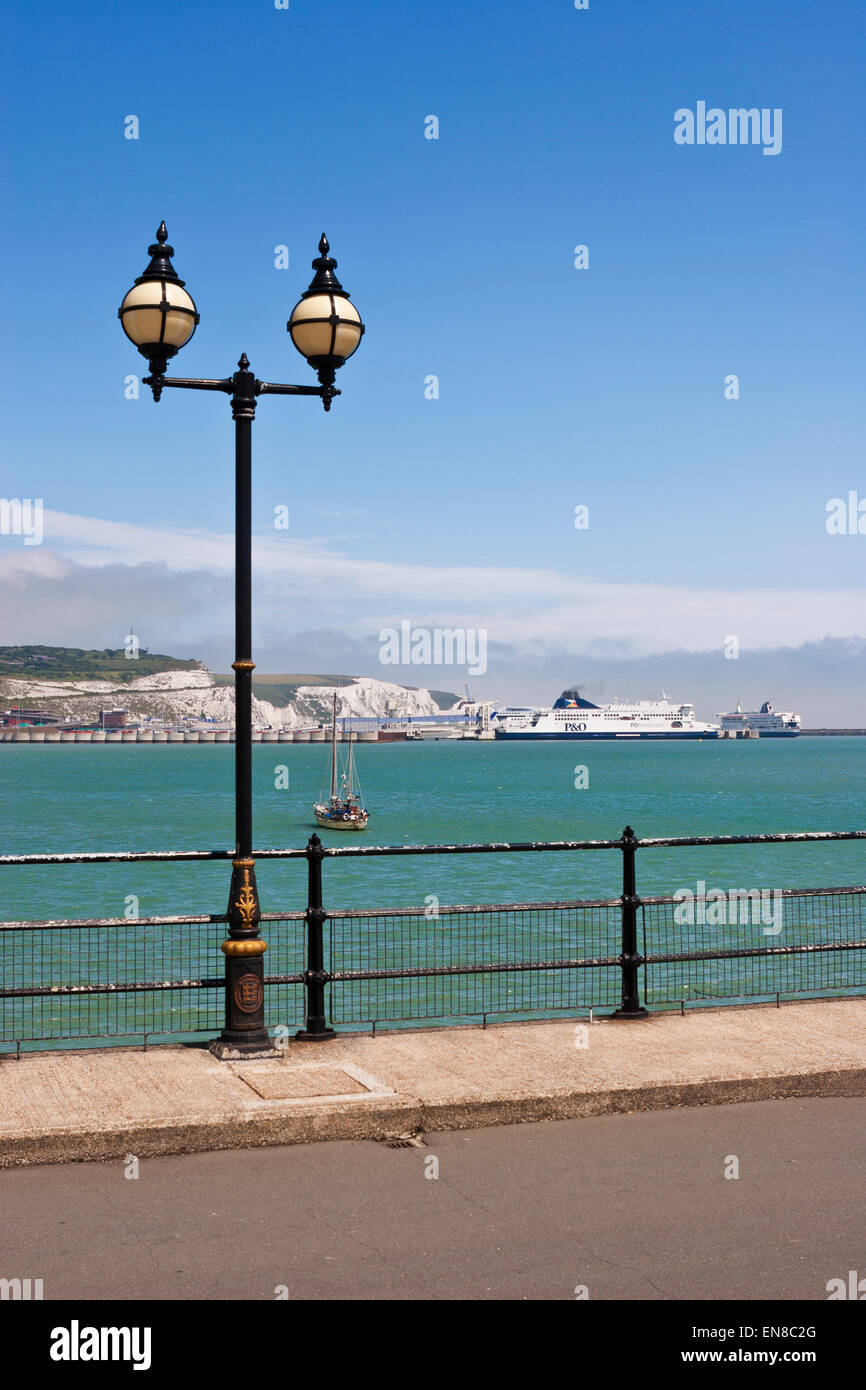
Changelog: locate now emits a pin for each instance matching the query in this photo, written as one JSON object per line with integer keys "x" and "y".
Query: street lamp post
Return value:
{"x": 159, "y": 317}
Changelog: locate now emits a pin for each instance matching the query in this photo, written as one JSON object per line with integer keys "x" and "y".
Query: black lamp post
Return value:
{"x": 159, "y": 317}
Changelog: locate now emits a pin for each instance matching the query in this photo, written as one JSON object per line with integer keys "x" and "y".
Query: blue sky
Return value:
{"x": 605, "y": 387}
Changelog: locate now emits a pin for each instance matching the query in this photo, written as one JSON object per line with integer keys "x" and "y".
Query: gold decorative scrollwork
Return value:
{"x": 245, "y": 904}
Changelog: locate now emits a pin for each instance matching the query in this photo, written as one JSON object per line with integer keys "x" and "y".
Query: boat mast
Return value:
{"x": 334, "y": 751}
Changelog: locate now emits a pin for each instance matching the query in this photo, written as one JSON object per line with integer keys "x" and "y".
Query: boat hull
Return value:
{"x": 337, "y": 822}
{"x": 766, "y": 733}
{"x": 610, "y": 736}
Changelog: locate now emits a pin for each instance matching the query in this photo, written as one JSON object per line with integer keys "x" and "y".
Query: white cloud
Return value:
{"x": 523, "y": 608}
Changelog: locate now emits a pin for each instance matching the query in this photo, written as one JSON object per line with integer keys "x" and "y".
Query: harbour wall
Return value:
{"x": 209, "y": 736}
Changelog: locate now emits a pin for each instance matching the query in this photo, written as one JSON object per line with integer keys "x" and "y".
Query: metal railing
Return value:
{"x": 161, "y": 976}
{"x": 146, "y": 977}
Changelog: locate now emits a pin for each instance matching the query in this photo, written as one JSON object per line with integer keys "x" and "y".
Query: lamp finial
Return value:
{"x": 160, "y": 267}
{"x": 324, "y": 280}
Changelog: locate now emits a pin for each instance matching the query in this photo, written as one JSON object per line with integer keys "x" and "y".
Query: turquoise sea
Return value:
{"x": 77, "y": 798}
{"x": 117, "y": 797}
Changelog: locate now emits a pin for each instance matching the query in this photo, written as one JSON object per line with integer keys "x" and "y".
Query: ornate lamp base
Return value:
{"x": 245, "y": 1035}
{"x": 243, "y": 1052}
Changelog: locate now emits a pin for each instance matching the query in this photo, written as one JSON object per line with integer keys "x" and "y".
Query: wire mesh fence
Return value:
{"x": 285, "y": 963}
{"x": 769, "y": 943}
{"x": 165, "y": 976}
{"x": 120, "y": 978}
{"x": 470, "y": 961}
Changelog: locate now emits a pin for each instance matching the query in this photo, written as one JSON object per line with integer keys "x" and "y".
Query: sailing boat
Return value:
{"x": 343, "y": 810}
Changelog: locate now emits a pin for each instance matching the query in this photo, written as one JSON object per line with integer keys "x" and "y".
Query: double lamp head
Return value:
{"x": 159, "y": 316}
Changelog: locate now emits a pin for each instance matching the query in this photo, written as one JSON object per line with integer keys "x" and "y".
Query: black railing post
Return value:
{"x": 630, "y": 959}
{"x": 315, "y": 975}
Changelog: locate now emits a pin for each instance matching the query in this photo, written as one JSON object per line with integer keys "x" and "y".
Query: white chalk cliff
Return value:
{"x": 193, "y": 694}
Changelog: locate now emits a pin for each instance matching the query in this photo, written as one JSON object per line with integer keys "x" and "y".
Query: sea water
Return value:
{"x": 74, "y": 797}
{"x": 77, "y": 798}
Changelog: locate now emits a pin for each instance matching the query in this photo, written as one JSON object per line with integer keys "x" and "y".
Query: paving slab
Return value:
{"x": 107, "y": 1102}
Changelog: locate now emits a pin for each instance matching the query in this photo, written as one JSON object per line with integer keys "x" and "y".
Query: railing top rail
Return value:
{"x": 370, "y": 851}
{"x": 654, "y": 842}
{"x": 444, "y": 910}
{"x": 190, "y": 919}
{"x": 583, "y": 903}
{"x": 453, "y": 909}
{"x": 123, "y": 856}
{"x": 185, "y": 855}
{"x": 493, "y": 847}
{"x": 186, "y": 919}
{"x": 712, "y": 894}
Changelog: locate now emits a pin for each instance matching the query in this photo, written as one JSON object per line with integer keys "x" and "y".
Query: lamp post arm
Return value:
{"x": 327, "y": 391}
{"x": 227, "y": 385}
{"x": 276, "y": 388}
{"x": 157, "y": 381}
{"x": 191, "y": 383}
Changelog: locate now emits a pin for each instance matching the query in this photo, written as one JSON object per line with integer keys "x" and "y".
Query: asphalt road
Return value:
{"x": 627, "y": 1206}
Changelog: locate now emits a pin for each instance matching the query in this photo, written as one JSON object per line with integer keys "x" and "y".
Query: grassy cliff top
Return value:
{"x": 74, "y": 663}
{"x": 112, "y": 664}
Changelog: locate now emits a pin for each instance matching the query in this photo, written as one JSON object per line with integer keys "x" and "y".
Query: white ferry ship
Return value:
{"x": 765, "y": 721}
{"x": 574, "y": 717}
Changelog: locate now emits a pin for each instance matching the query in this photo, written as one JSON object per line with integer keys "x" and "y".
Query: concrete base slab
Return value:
{"x": 104, "y": 1104}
